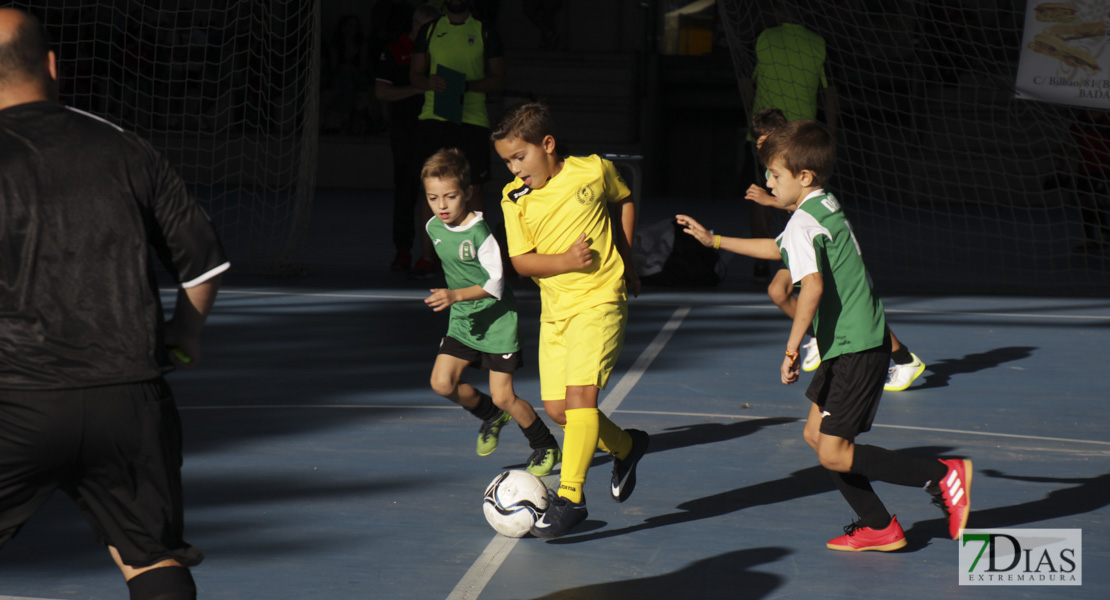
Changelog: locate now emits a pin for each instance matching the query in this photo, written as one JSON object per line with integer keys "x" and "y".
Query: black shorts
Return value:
{"x": 501, "y": 363}
{"x": 848, "y": 388}
{"x": 116, "y": 450}
{"x": 472, "y": 140}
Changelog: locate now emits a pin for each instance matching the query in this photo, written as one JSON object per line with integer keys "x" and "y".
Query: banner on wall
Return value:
{"x": 1065, "y": 53}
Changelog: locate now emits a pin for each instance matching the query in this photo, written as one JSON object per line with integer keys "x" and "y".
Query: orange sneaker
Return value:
{"x": 858, "y": 539}
{"x": 955, "y": 495}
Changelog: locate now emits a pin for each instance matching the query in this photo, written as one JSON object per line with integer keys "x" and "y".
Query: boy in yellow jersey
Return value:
{"x": 560, "y": 233}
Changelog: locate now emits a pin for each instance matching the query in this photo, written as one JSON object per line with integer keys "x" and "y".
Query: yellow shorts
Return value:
{"x": 581, "y": 350}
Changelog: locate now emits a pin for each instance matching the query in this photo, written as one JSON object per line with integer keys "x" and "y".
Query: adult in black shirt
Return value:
{"x": 405, "y": 101}
{"x": 83, "y": 341}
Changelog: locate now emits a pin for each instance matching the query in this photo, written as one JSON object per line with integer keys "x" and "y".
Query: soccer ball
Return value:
{"x": 513, "y": 501}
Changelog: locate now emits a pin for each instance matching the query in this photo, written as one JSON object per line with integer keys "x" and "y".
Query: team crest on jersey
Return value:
{"x": 585, "y": 195}
{"x": 466, "y": 250}
{"x": 470, "y": 39}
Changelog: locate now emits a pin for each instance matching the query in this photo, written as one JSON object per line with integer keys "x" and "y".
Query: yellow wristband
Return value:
{"x": 792, "y": 354}
{"x": 716, "y": 242}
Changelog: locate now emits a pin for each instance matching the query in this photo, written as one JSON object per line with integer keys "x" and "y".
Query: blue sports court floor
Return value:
{"x": 320, "y": 465}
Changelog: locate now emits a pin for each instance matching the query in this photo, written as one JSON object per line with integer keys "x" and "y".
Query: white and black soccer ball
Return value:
{"x": 513, "y": 501}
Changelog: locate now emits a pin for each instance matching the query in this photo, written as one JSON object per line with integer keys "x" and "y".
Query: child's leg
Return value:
{"x": 545, "y": 449}
{"x": 899, "y": 352}
{"x": 447, "y": 381}
{"x": 501, "y": 387}
{"x": 504, "y": 396}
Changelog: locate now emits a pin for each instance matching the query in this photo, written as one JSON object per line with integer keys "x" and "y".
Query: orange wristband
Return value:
{"x": 792, "y": 354}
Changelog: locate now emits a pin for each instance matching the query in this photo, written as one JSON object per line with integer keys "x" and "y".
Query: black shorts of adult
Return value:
{"x": 848, "y": 387}
{"x": 473, "y": 140}
{"x": 502, "y": 363}
{"x": 115, "y": 449}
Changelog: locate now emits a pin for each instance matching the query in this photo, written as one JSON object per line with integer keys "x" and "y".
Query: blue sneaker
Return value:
{"x": 624, "y": 469}
{"x": 561, "y": 516}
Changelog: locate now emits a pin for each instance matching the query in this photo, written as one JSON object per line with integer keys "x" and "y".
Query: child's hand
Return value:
{"x": 440, "y": 299}
{"x": 631, "y": 279}
{"x": 579, "y": 255}
{"x": 789, "y": 369}
{"x": 760, "y": 196}
{"x": 695, "y": 229}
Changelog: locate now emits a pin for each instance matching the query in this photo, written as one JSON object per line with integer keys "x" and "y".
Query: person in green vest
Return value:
{"x": 457, "y": 60}
{"x": 789, "y": 75}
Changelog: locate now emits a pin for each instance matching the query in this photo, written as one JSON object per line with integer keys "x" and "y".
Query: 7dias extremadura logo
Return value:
{"x": 1021, "y": 557}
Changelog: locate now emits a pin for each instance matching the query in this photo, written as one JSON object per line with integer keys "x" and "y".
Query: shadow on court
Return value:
{"x": 728, "y": 575}
{"x": 1089, "y": 495}
{"x": 941, "y": 371}
{"x": 799, "y": 484}
{"x": 697, "y": 434}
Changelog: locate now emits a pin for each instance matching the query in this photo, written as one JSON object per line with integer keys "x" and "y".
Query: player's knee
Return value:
{"x": 811, "y": 438}
{"x": 503, "y": 401}
{"x": 559, "y": 416}
{"x": 163, "y": 583}
{"x": 777, "y": 294}
{"x": 444, "y": 385}
{"x": 833, "y": 460}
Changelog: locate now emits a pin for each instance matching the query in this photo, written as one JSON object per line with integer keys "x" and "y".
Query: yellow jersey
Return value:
{"x": 550, "y": 219}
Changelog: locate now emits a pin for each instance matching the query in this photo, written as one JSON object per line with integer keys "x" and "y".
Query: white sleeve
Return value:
{"x": 797, "y": 241}
{"x": 489, "y": 256}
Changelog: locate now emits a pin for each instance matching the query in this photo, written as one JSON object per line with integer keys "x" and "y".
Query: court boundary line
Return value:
{"x": 482, "y": 571}
{"x": 1019, "y": 436}
{"x": 770, "y": 307}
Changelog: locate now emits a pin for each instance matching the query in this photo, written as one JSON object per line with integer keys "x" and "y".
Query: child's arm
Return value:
{"x": 808, "y": 299}
{"x": 444, "y": 298}
{"x": 764, "y": 248}
{"x": 531, "y": 264}
{"x": 623, "y": 236}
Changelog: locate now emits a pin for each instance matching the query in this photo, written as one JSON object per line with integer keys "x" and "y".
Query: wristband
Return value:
{"x": 792, "y": 355}
{"x": 716, "y": 242}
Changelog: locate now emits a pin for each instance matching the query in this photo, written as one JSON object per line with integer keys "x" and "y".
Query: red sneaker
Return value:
{"x": 955, "y": 495}
{"x": 859, "y": 539}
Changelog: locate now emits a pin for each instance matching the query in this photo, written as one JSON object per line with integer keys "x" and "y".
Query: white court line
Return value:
{"x": 371, "y": 296}
{"x": 962, "y": 313}
{"x": 1018, "y": 436}
{"x": 480, "y": 573}
{"x": 929, "y": 429}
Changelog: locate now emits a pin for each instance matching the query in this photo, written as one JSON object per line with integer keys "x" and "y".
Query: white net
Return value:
{"x": 952, "y": 184}
{"x": 227, "y": 91}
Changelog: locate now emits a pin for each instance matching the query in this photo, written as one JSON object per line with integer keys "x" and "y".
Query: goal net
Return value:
{"x": 227, "y": 91}
{"x": 952, "y": 183}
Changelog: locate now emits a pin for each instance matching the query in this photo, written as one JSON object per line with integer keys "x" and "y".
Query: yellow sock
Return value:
{"x": 612, "y": 439}
{"x": 579, "y": 442}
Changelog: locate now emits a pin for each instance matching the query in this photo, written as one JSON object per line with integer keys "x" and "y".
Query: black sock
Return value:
{"x": 856, "y": 489}
{"x": 163, "y": 583}
{"x": 901, "y": 356}
{"x": 539, "y": 436}
{"x": 485, "y": 409}
{"x": 880, "y": 464}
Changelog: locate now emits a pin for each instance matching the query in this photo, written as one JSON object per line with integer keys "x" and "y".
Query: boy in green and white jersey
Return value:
{"x": 836, "y": 299}
{"x": 483, "y": 320}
